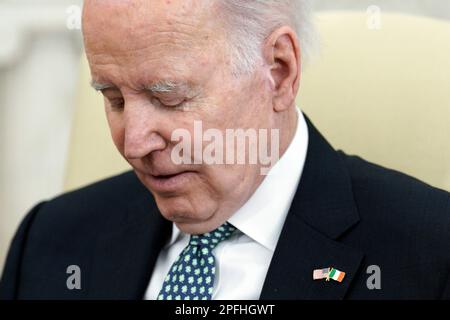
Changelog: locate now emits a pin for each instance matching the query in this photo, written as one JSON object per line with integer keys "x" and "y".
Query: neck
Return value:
{"x": 288, "y": 127}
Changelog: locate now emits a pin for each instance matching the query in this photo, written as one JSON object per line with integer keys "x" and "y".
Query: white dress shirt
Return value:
{"x": 242, "y": 261}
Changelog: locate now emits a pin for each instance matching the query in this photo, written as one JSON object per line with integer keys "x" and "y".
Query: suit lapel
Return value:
{"x": 322, "y": 210}
{"x": 124, "y": 259}
{"x": 300, "y": 251}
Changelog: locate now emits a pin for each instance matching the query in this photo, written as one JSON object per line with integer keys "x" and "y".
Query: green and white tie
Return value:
{"x": 191, "y": 276}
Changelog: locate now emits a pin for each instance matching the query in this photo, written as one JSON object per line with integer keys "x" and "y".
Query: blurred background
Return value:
{"x": 50, "y": 120}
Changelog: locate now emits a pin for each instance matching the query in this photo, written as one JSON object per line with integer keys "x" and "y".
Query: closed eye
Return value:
{"x": 118, "y": 103}
{"x": 176, "y": 104}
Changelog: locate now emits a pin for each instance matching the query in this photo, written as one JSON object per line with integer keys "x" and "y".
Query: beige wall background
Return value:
{"x": 41, "y": 83}
{"x": 40, "y": 50}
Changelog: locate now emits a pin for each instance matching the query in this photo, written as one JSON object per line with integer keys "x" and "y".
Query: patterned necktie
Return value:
{"x": 191, "y": 276}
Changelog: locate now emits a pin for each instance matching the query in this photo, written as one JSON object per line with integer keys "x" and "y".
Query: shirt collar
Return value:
{"x": 262, "y": 216}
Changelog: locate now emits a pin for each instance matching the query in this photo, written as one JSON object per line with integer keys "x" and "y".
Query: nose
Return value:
{"x": 142, "y": 135}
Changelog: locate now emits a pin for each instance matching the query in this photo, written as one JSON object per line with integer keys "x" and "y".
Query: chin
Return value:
{"x": 194, "y": 228}
{"x": 184, "y": 212}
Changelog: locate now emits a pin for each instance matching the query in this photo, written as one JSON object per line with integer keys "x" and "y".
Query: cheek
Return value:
{"x": 224, "y": 180}
{"x": 242, "y": 110}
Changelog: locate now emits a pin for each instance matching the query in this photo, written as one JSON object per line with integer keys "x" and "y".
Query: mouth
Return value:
{"x": 169, "y": 183}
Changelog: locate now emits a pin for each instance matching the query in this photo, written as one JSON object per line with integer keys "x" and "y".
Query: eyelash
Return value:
{"x": 118, "y": 104}
{"x": 176, "y": 106}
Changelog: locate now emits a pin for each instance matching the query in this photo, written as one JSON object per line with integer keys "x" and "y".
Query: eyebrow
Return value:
{"x": 169, "y": 86}
{"x": 164, "y": 86}
{"x": 101, "y": 86}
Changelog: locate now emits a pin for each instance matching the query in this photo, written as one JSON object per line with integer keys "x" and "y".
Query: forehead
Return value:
{"x": 146, "y": 35}
{"x": 114, "y": 18}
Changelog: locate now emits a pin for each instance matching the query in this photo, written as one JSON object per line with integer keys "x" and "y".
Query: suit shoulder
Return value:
{"x": 389, "y": 182}
{"x": 389, "y": 195}
{"x": 114, "y": 191}
{"x": 90, "y": 208}
{"x": 126, "y": 182}
{"x": 69, "y": 228}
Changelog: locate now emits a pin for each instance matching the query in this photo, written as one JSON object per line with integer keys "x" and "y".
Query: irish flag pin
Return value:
{"x": 328, "y": 273}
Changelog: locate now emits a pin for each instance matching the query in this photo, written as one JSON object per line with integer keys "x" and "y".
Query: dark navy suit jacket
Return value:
{"x": 347, "y": 213}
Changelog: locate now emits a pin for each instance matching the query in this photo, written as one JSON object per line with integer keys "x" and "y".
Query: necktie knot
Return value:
{"x": 212, "y": 239}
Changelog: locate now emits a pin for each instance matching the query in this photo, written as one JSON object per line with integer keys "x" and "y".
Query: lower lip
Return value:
{"x": 170, "y": 184}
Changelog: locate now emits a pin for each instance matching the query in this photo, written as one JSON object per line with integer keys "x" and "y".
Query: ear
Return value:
{"x": 281, "y": 52}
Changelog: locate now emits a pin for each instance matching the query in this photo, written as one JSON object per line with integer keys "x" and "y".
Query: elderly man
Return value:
{"x": 318, "y": 225}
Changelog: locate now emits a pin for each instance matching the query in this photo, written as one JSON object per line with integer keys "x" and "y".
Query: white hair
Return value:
{"x": 250, "y": 22}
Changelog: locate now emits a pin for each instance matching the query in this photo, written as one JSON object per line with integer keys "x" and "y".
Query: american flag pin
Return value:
{"x": 328, "y": 273}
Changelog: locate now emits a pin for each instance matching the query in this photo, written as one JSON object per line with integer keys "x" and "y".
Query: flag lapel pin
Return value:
{"x": 319, "y": 274}
{"x": 328, "y": 273}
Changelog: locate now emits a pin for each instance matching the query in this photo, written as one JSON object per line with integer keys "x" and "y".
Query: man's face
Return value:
{"x": 135, "y": 46}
